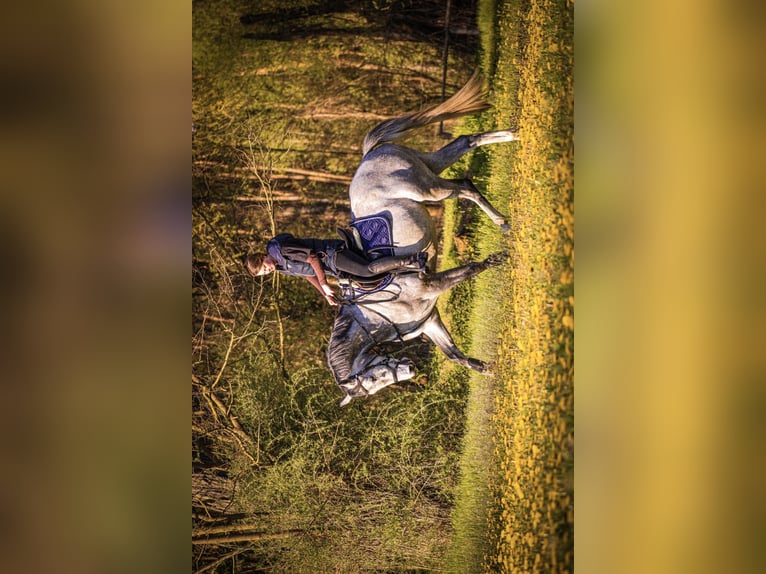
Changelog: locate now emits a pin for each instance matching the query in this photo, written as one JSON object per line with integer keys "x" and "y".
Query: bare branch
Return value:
{"x": 213, "y": 565}
{"x": 252, "y": 537}
{"x": 225, "y": 361}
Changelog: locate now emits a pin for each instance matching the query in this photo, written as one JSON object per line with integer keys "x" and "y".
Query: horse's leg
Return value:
{"x": 435, "y": 330}
{"x": 437, "y": 283}
{"x": 432, "y": 188}
{"x": 439, "y": 160}
{"x": 468, "y": 191}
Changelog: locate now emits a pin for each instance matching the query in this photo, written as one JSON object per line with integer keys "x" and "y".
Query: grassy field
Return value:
{"x": 515, "y": 501}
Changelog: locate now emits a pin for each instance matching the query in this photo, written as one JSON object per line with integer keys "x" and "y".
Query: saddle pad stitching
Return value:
{"x": 375, "y": 231}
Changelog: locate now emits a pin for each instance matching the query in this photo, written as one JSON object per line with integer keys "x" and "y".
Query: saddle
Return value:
{"x": 352, "y": 239}
{"x": 371, "y": 238}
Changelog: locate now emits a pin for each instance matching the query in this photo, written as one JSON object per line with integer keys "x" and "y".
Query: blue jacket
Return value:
{"x": 291, "y": 253}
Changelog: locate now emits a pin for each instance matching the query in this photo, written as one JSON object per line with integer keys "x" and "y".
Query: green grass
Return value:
{"x": 471, "y": 310}
{"x": 514, "y": 502}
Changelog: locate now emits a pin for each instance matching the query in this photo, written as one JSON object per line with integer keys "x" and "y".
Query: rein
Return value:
{"x": 355, "y": 299}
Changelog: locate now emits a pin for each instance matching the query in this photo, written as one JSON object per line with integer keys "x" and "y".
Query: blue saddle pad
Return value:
{"x": 375, "y": 231}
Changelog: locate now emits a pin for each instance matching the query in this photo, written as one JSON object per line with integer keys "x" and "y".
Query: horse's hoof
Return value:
{"x": 476, "y": 365}
{"x": 506, "y": 228}
{"x": 496, "y": 259}
{"x": 345, "y": 401}
{"x": 488, "y": 369}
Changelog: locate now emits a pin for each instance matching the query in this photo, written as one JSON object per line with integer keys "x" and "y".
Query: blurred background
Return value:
{"x": 670, "y": 276}
{"x": 95, "y": 131}
{"x": 95, "y": 136}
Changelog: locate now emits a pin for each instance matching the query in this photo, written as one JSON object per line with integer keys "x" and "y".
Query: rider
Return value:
{"x": 313, "y": 259}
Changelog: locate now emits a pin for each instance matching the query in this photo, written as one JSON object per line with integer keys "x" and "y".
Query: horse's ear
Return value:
{"x": 346, "y": 400}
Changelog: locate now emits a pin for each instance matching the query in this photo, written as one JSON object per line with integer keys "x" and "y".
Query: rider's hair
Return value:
{"x": 254, "y": 262}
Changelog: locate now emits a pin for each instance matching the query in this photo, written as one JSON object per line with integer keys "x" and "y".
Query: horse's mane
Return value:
{"x": 343, "y": 346}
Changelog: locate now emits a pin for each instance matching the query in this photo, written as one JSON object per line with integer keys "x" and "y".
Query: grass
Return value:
{"x": 514, "y": 502}
{"x": 471, "y": 311}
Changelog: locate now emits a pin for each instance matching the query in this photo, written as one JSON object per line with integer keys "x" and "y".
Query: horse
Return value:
{"x": 392, "y": 183}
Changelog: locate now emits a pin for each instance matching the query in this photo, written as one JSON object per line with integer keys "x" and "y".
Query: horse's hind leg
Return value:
{"x": 465, "y": 189}
{"x": 439, "y": 160}
{"x": 433, "y": 188}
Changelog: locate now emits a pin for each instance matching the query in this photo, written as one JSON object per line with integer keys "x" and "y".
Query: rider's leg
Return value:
{"x": 356, "y": 265}
{"x": 416, "y": 261}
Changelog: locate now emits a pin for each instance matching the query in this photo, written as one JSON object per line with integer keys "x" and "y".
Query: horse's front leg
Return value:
{"x": 435, "y": 330}
{"x": 437, "y": 283}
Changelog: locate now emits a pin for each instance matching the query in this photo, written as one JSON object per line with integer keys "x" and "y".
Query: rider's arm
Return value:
{"x": 315, "y": 282}
{"x": 319, "y": 280}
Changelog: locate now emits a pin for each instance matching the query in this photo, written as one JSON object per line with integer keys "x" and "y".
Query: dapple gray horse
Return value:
{"x": 396, "y": 181}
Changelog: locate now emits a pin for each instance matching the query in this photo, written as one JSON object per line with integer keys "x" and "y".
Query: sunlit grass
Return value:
{"x": 533, "y": 524}
{"x": 518, "y": 491}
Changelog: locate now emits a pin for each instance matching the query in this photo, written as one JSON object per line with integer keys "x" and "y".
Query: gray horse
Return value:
{"x": 395, "y": 182}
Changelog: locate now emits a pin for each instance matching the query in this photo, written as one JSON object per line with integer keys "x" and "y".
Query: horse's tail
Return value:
{"x": 470, "y": 99}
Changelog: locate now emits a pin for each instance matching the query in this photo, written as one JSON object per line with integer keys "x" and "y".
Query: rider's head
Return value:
{"x": 260, "y": 264}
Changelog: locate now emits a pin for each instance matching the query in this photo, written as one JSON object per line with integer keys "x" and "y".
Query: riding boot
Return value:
{"x": 394, "y": 263}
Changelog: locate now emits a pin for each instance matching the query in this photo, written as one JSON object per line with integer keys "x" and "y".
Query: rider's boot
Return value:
{"x": 416, "y": 262}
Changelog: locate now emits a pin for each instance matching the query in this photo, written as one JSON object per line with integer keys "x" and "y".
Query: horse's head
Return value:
{"x": 358, "y": 371}
{"x": 382, "y": 372}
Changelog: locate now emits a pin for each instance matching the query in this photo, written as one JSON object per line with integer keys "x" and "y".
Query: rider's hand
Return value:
{"x": 329, "y": 295}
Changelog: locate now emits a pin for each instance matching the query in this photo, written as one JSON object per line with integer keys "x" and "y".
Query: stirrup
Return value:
{"x": 417, "y": 262}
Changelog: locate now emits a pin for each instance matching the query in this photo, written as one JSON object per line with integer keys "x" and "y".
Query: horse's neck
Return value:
{"x": 376, "y": 321}
{"x": 397, "y": 320}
